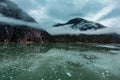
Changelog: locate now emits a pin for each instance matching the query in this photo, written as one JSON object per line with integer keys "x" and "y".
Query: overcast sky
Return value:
{"x": 103, "y": 11}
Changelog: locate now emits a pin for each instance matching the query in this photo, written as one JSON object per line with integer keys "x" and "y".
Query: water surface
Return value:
{"x": 59, "y": 61}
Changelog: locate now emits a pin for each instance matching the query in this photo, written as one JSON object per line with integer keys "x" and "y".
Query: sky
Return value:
{"x": 103, "y": 11}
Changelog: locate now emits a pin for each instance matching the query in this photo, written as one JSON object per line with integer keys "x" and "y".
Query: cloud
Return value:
{"x": 63, "y": 10}
{"x": 111, "y": 22}
{"x": 102, "y": 13}
{"x": 38, "y": 14}
{"x": 64, "y": 30}
{"x": 68, "y": 30}
{"x": 12, "y": 21}
{"x": 105, "y": 11}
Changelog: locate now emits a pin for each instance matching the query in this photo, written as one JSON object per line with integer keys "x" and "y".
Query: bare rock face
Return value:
{"x": 19, "y": 33}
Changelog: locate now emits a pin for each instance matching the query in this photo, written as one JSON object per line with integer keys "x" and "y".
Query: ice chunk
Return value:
{"x": 69, "y": 74}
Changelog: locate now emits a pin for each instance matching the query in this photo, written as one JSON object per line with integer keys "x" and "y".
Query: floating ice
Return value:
{"x": 69, "y": 74}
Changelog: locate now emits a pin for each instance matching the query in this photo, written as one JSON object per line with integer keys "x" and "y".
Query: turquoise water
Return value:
{"x": 59, "y": 62}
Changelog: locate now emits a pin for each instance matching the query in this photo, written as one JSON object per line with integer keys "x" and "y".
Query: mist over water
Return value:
{"x": 59, "y": 61}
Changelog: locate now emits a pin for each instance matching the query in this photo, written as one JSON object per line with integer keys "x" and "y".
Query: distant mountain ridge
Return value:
{"x": 81, "y": 24}
{"x": 85, "y": 25}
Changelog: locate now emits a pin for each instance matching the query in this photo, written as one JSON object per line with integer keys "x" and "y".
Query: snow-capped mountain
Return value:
{"x": 81, "y": 24}
{"x": 78, "y": 26}
{"x": 81, "y": 30}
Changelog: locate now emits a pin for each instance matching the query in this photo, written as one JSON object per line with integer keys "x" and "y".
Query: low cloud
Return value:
{"x": 63, "y": 10}
{"x": 12, "y": 21}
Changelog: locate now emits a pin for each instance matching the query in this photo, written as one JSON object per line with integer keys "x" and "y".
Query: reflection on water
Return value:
{"x": 59, "y": 62}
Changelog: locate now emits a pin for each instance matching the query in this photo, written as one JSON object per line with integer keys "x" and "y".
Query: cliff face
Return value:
{"x": 19, "y": 33}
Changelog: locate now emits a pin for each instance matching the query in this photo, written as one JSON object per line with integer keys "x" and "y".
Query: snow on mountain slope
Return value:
{"x": 81, "y": 24}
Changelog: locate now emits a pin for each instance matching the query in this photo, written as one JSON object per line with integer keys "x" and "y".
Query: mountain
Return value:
{"x": 81, "y": 24}
{"x": 84, "y": 35}
{"x": 24, "y": 33}
{"x": 10, "y": 32}
{"x": 10, "y": 9}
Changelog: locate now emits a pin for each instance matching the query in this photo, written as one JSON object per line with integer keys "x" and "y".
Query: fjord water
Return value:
{"x": 59, "y": 61}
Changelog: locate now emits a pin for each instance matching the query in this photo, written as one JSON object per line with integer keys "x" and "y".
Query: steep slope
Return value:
{"x": 19, "y": 33}
{"x": 10, "y": 9}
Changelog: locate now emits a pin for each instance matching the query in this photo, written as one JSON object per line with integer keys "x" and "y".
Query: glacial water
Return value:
{"x": 59, "y": 61}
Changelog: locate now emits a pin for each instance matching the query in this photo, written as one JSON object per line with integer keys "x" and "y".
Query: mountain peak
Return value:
{"x": 81, "y": 24}
{"x": 75, "y": 20}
